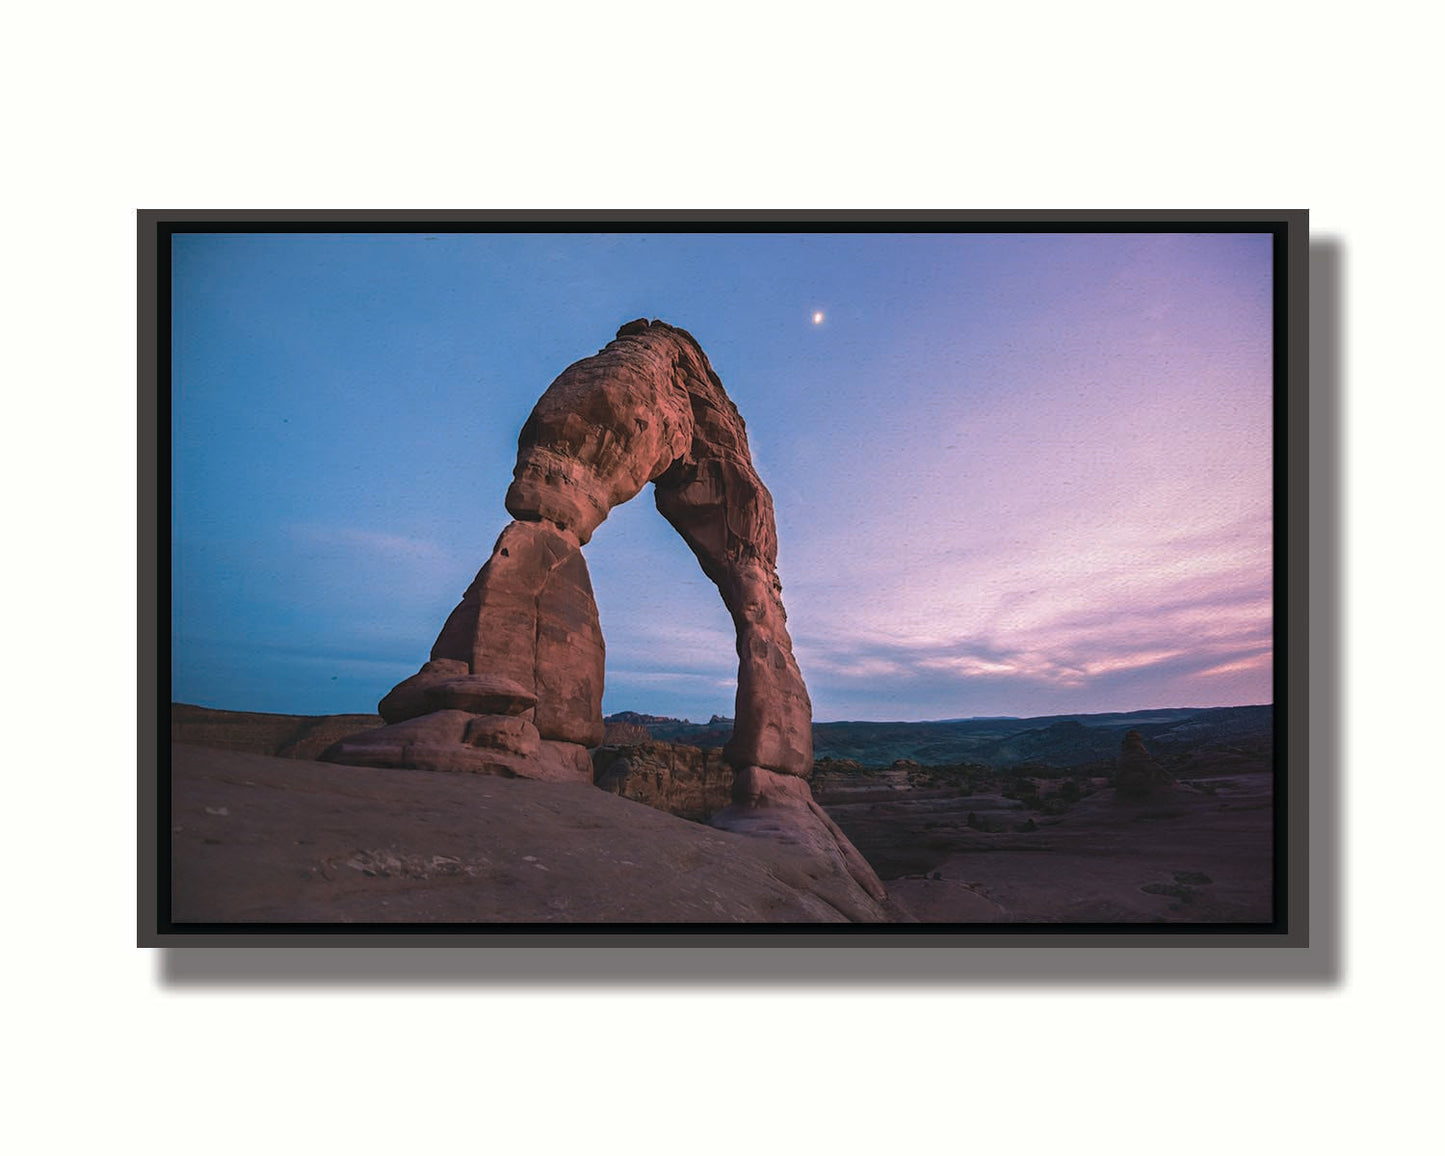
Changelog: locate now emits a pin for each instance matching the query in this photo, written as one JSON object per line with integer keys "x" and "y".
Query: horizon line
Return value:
{"x": 815, "y": 722}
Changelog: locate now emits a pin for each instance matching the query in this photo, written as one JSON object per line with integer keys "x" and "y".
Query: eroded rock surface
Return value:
{"x": 685, "y": 781}
{"x": 514, "y": 683}
{"x": 781, "y": 807}
{"x": 258, "y": 839}
{"x": 524, "y": 642}
{"x": 285, "y": 736}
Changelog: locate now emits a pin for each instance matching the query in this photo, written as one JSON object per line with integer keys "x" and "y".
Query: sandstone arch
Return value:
{"x": 514, "y": 681}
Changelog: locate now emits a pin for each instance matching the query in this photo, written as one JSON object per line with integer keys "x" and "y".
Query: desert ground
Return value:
{"x": 261, "y": 832}
{"x": 1198, "y": 854}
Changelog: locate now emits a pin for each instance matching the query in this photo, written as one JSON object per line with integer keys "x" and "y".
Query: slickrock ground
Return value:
{"x": 289, "y": 840}
{"x": 287, "y": 736}
{"x": 257, "y": 838}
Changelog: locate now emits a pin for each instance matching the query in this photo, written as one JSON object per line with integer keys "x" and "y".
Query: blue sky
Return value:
{"x": 1014, "y": 474}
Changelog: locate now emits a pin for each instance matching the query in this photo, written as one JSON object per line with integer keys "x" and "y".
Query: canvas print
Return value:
{"x": 614, "y": 577}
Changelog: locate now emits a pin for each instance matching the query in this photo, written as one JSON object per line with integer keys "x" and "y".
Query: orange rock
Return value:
{"x": 525, "y": 640}
{"x": 514, "y": 685}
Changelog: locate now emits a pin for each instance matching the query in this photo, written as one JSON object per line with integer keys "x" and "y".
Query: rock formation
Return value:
{"x": 623, "y": 734}
{"x": 514, "y": 684}
{"x": 1139, "y": 775}
{"x": 685, "y": 781}
{"x": 284, "y": 736}
{"x": 265, "y": 840}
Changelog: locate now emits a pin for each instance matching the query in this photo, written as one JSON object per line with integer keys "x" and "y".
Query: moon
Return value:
{"x": 818, "y": 317}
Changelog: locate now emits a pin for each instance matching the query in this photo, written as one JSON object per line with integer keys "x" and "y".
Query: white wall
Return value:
{"x": 435, "y": 105}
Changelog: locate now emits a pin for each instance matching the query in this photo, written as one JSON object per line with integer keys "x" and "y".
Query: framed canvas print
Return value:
{"x": 920, "y": 577}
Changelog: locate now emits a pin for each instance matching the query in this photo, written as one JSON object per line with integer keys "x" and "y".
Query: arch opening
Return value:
{"x": 670, "y": 639}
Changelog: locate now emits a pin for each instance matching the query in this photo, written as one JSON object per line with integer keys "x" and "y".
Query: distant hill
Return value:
{"x": 1176, "y": 735}
{"x": 1186, "y": 740}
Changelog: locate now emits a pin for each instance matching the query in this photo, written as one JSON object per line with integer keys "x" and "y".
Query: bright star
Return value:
{"x": 818, "y": 318}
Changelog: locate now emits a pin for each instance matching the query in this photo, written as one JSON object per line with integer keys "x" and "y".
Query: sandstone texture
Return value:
{"x": 685, "y": 781}
{"x": 781, "y": 808}
{"x": 287, "y": 736}
{"x": 525, "y": 641}
{"x": 625, "y": 734}
{"x": 456, "y": 740}
{"x": 256, "y": 839}
{"x": 525, "y": 644}
{"x": 514, "y": 682}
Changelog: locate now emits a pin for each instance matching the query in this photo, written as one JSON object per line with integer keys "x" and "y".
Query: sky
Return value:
{"x": 1014, "y": 474}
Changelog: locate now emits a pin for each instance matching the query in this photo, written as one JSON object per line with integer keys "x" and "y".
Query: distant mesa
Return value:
{"x": 632, "y": 716}
{"x": 514, "y": 683}
{"x": 618, "y": 734}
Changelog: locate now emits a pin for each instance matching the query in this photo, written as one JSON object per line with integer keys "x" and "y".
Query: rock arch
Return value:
{"x": 514, "y": 682}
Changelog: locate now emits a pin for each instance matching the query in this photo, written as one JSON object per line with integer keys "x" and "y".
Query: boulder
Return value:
{"x": 479, "y": 694}
{"x": 503, "y": 733}
{"x": 408, "y": 699}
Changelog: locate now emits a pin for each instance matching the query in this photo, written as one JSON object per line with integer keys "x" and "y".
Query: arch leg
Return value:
{"x": 514, "y": 684}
